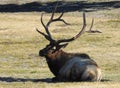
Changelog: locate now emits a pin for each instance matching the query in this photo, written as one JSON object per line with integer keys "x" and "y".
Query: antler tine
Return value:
{"x": 75, "y": 37}
{"x": 52, "y": 19}
{"x": 54, "y": 11}
{"x": 60, "y": 19}
{"x": 57, "y": 19}
{"x": 91, "y": 24}
{"x": 46, "y": 36}
{"x": 46, "y": 29}
{"x": 83, "y": 28}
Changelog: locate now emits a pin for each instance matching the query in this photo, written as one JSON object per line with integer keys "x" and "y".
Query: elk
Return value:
{"x": 67, "y": 66}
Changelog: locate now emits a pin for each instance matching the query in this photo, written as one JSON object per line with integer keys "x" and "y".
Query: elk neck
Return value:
{"x": 56, "y": 60}
{"x": 53, "y": 56}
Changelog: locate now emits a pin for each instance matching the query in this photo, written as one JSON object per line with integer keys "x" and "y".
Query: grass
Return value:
{"x": 20, "y": 44}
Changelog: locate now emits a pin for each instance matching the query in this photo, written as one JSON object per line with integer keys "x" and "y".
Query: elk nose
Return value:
{"x": 41, "y": 53}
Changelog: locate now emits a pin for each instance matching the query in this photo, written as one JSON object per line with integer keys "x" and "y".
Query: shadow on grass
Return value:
{"x": 47, "y": 80}
{"x": 11, "y": 79}
{"x": 63, "y": 6}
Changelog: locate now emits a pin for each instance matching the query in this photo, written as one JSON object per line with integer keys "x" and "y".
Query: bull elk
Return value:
{"x": 67, "y": 66}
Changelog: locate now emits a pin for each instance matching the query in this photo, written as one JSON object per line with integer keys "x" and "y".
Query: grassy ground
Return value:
{"x": 21, "y": 67}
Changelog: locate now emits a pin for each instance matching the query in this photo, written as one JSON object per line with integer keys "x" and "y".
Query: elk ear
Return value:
{"x": 63, "y": 45}
{"x": 60, "y": 46}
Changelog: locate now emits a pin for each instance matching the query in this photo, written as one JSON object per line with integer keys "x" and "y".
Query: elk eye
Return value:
{"x": 54, "y": 47}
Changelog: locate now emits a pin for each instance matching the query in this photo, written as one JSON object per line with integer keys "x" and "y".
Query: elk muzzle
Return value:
{"x": 41, "y": 53}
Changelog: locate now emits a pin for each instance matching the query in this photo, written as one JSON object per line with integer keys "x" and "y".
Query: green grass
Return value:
{"x": 20, "y": 45}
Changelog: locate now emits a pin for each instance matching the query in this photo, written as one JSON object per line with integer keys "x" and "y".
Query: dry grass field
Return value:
{"x": 21, "y": 67}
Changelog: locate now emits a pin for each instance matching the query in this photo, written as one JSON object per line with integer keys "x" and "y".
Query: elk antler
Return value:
{"x": 75, "y": 37}
{"x": 90, "y": 29}
{"x": 52, "y": 19}
{"x": 64, "y": 42}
